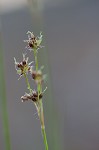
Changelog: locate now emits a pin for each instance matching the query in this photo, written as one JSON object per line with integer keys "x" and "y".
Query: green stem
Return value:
{"x": 27, "y": 82}
{"x": 36, "y": 61}
{"x": 43, "y": 126}
{"x": 5, "y": 124}
{"x": 41, "y": 114}
{"x": 4, "y": 105}
{"x": 45, "y": 138}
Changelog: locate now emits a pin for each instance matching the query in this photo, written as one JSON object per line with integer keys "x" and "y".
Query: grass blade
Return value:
{"x": 4, "y": 103}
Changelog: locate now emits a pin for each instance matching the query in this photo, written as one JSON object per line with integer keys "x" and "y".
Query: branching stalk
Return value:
{"x": 23, "y": 68}
{"x": 41, "y": 116}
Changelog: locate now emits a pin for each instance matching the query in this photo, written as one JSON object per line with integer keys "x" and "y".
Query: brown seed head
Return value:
{"x": 34, "y": 96}
{"x": 37, "y": 76}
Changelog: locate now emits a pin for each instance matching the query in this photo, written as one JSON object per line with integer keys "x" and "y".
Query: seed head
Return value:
{"x": 37, "y": 76}
{"x": 32, "y": 96}
{"x": 23, "y": 67}
{"x": 33, "y": 42}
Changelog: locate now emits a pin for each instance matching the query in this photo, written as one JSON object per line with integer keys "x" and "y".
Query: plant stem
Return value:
{"x": 4, "y": 105}
{"x": 36, "y": 60}
{"x": 45, "y": 138}
{"x": 43, "y": 127}
{"x": 27, "y": 82}
{"x": 6, "y": 125}
{"x": 41, "y": 114}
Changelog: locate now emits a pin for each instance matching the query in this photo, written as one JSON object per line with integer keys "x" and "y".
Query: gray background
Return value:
{"x": 72, "y": 41}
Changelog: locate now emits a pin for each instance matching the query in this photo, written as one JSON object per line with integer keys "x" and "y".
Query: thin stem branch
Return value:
{"x": 45, "y": 138}
{"x": 41, "y": 114}
{"x": 36, "y": 60}
{"x": 43, "y": 127}
{"x": 28, "y": 84}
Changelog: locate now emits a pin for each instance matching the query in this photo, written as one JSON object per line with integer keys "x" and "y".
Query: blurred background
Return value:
{"x": 71, "y": 59}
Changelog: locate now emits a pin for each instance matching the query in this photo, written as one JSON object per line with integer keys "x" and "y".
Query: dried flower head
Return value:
{"x": 23, "y": 67}
{"x": 32, "y": 96}
{"x": 38, "y": 76}
{"x": 34, "y": 42}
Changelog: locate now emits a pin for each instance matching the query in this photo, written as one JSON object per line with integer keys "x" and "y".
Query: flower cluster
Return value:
{"x": 33, "y": 42}
{"x": 32, "y": 96}
{"x": 23, "y": 68}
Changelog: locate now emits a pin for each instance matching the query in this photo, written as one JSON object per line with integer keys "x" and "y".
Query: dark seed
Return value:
{"x": 34, "y": 75}
{"x": 40, "y": 96}
{"x": 35, "y": 94}
{"x": 24, "y": 62}
{"x": 34, "y": 99}
{"x": 31, "y": 45}
{"x": 19, "y": 66}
